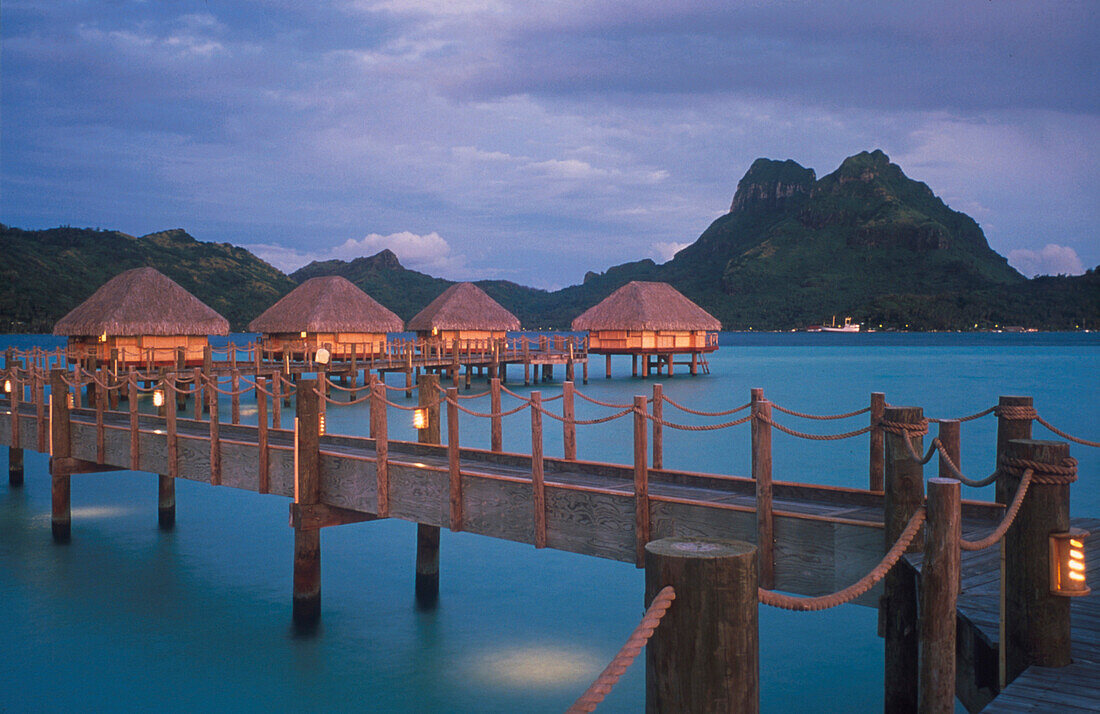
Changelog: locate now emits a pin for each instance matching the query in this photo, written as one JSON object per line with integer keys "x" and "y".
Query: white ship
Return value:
{"x": 848, "y": 326}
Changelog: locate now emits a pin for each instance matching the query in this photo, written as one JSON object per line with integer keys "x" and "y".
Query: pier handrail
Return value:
{"x": 820, "y": 417}
{"x": 630, "y": 650}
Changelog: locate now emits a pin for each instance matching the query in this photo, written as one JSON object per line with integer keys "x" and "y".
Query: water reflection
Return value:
{"x": 537, "y": 666}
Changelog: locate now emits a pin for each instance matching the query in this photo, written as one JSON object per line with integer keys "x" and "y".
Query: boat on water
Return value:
{"x": 848, "y": 326}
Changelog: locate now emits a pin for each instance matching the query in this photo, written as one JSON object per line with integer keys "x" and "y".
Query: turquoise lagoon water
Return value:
{"x": 128, "y": 618}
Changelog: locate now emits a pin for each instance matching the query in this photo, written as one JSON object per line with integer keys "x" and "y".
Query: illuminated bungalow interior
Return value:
{"x": 466, "y": 313}
{"x": 143, "y": 317}
{"x": 648, "y": 318}
{"x": 327, "y": 312}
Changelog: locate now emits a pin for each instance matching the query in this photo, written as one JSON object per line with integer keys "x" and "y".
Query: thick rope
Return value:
{"x": 609, "y": 405}
{"x": 210, "y": 383}
{"x": 977, "y": 415}
{"x": 626, "y": 656}
{"x": 697, "y": 427}
{"x": 1006, "y": 522}
{"x": 696, "y": 412}
{"x": 1015, "y": 413}
{"x": 489, "y": 415}
{"x": 588, "y": 422}
{"x": 868, "y": 581}
{"x": 337, "y": 402}
{"x": 1064, "y": 435}
{"x": 1051, "y": 474}
{"x": 959, "y": 476}
{"x": 821, "y": 417}
{"x": 812, "y": 437}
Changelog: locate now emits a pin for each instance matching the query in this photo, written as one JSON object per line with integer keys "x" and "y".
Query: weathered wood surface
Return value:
{"x": 1075, "y": 688}
{"x": 826, "y": 537}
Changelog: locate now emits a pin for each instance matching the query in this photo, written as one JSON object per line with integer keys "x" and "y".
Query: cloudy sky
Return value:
{"x": 534, "y": 141}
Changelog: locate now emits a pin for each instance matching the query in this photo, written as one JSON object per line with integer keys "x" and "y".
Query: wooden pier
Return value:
{"x": 825, "y": 540}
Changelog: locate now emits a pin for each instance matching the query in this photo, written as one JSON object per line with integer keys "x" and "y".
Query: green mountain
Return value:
{"x": 864, "y": 241}
{"x": 46, "y": 273}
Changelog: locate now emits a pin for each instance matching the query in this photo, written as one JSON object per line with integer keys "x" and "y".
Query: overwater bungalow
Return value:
{"x": 463, "y": 312}
{"x": 327, "y": 312}
{"x": 141, "y": 317}
{"x": 652, "y": 320}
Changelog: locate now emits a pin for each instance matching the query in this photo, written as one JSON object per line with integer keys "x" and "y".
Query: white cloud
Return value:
{"x": 664, "y": 252}
{"x": 1051, "y": 260}
{"x": 427, "y": 253}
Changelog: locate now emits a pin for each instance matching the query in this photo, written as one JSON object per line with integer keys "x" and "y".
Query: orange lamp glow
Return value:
{"x": 158, "y": 398}
{"x": 1067, "y": 563}
{"x": 321, "y": 424}
{"x": 420, "y": 418}
{"x": 7, "y": 386}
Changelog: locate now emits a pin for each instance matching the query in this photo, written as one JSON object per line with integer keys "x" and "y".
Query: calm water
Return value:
{"x": 129, "y": 618}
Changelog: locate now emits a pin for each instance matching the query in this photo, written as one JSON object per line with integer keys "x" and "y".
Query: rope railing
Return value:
{"x": 970, "y": 417}
{"x": 820, "y": 417}
{"x": 630, "y": 650}
{"x": 697, "y": 427}
{"x": 698, "y": 412}
{"x": 351, "y": 402}
{"x": 1006, "y": 522}
{"x": 861, "y": 586}
{"x": 812, "y": 437}
{"x": 954, "y": 469}
{"x": 586, "y": 422}
{"x": 1064, "y": 435}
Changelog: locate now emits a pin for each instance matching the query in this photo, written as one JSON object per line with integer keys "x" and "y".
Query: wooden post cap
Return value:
{"x": 702, "y": 548}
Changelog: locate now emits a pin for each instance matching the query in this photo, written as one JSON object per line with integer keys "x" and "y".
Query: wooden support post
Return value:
{"x": 904, "y": 483}
{"x": 569, "y": 370}
{"x": 762, "y": 474}
{"x": 380, "y": 433}
{"x": 584, "y": 371}
{"x": 538, "y": 485}
{"x": 112, "y": 381}
{"x": 694, "y": 363}
{"x": 276, "y": 400}
{"x": 496, "y": 426}
{"x": 569, "y": 422}
{"x": 307, "y": 491}
{"x": 427, "y": 536}
{"x": 526, "y": 371}
{"x": 633, "y": 365}
{"x": 939, "y": 595}
{"x": 262, "y": 436}
{"x": 949, "y": 436}
{"x": 181, "y": 366}
{"x": 453, "y": 456}
{"x": 607, "y": 374}
{"x": 39, "y": 396}
{"x": 78, "y": 382}
{"x": 135, "y": 434}
{"x": 15, "y": 465}
{"x": 285, "y": 376}
{"x": 658, "y": 428}
{"x": 641, "y": 481}
{"x": 1010, "y": 426}
{"x": 726, "y": 628}
{"x": 235, "y": 399}
{"x": 215, "y": 439}
{"x": 166, "y": 483}
{"x": 354, "y": 371}
{"x": 60, "y": 451}
{"x": 200, "y": 392}
{"x": 877, "y": 457}
{"x": 208, "y": 370}
{"x": 1037, "y": 622}
{"x": 100, "y": 408}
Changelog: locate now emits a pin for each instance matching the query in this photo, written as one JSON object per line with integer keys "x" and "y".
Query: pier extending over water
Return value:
{"x": 826, "y": 545}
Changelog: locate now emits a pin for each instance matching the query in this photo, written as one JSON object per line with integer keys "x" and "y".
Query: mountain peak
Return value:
{"x": 771, "y": 185}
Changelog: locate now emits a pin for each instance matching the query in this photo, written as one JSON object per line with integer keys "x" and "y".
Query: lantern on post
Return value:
{"x": 420, "y": 418}
{"x": 1067, "y": 563}
{"x": 7, "y": 386}
{"x": 158, "y": 398}
{"x": 321, "y": 424}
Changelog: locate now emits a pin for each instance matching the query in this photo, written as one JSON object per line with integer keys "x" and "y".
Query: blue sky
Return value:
{"x": 535, "y": 141}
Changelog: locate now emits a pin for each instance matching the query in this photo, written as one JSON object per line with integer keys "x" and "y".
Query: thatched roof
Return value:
{"x": 142, "y": 301}
{"x": 646, "y": 306}
{"x": 463, "y": 306}
{"x": 326, "y": 304}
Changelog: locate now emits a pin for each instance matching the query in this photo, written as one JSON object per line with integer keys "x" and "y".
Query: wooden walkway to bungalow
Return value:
{"x": 813, "y": 541}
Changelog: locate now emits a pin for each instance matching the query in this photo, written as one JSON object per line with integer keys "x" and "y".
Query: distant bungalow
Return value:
{"x": 144, "y": 317}
{"x": 653, "y": 320}
{"x": 328, "y": 312}
{"x": 463, "y": 312}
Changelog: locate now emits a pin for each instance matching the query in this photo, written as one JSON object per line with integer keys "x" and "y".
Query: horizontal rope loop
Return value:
{"x": 1045, "y": 473}
{"x": 868, "y": 581}
{"x": 970, "y": 417}
{"x": 812, "y": 437}
{"x": 820, "y": 417}
{"x": 697, "y": 427}
{"x": 1015, "y": 413}
{"x": 697, "y": 412}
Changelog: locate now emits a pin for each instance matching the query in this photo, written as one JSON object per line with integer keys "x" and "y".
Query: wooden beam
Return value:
{"x": 311, "y": 516}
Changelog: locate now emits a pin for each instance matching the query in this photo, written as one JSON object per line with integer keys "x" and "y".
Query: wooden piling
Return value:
{"x": 762, "y": 474}
{"x": 1010, "y": 426}
{"x": 380, "y": 433}
{"x": 199, "y": 394}
{"x": 496, "y": 427}
{"x": 949, "y": 436}
{"x": 904, "y": 486}
{"x": 261, "y": 434}
{"x": 877, "y": 457}
{"x": 307, "y": 491}
{"x": 538, "y": 485}
{"x": 427, "y": 536}
{"x": 453, "y": 456}
{"x": 569, "y": 422}
{"x": 704, "y": 656}
{"x": 235, "y": 399}
{"x": 166, "y": 483}
{"x": 939, "y": 596}
{"x": 658, "y": 428}
{"x": 15, "y": 466}
{"x": 181, "y": 366}
{"x": 1037, "y": 622}
{"x": 135, "y": 433}
{"x": 276, "y": 401}
{"x": 607, "y": 372}
{"x": 641, "y": 481}
{"x": 61, "y": 451}
{"x": 208, "y": 370}
{"x": 38, "y": 387}
{"x": 215, "y": 436}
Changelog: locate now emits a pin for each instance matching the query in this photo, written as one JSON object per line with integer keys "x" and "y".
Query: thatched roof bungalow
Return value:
{"x": 463, "y": 312}
{"x": 644, "y": 318}
{"x": 329, "y": 312}
{"x": 143, "y": 317}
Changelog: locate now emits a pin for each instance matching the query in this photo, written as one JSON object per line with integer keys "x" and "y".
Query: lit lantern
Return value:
{"x": 435, "y": 331}
{"x": 321, "y": 424}
{"x": 303, "y": 334}
{"x": 158, "y": 398}
{"x": 103, "y": 337}
{"x": 1067, "y": 563}
{"x": 420, "y": 418}
{"x": 69, "y": 401}
{"x": 7, "y": 386}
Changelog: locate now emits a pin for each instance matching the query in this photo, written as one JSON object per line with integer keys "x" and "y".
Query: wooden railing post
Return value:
{"x": 641, "y": 480}
{"x": 276, "y": 400}
{"x": 208, "y": 370}
{"x": 235, "y": 399}
{"x": 215, "y": 433}
{"x": 132, "y": 405}
{"x": 453, "y": 456}
{"x": 61, "y": 451}
{"x": 1010, "y": 425}
{"x": 427, "y": 536}
{"x": 569, "y": 422}
{"x": 538, "y": 487}
{"x": 939, "y": 595}
{"x": 264, "y": 453}
{"x": 877, "y": 458}
{"x": 38, "y": 385}
{"x": 166, "y": 483}
{"x": 949, "y": 436}
{"x": 380, "y": 434}
{"x": 658, "y": 428}
{"x": 726, "y": 628}
{"x": 181, "y": 365}
{"x": 904, "y": 486}
{"x": 496, "y": 427}
{"x": 1037, "y": 622}
{"x": 307, "y": 491}
{"x": 762, "y": 474}
{"x": 15, "y": 450}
